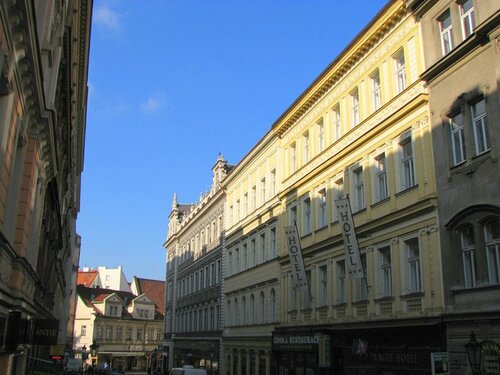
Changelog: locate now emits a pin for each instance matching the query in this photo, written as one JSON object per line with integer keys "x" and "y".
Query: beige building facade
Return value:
{"x": 44, "y": 54}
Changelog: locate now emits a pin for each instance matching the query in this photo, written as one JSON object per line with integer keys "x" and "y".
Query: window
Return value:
{"x": 337, "y": 193}
{"x": 263, "y": 190}
{"x": 292, "y": 297}
{"x": 244, "y": 261}
{"x": 340, "y": 282}
{"x": 236, "y": 260}
{"x": 262, "y": 243}
{"x": 306, "y": 296}
{"x": 118, "y": 333}
{"x": 407, "y": 167}
{"x": 355, "y": 107}
{"x": 337, "y": 129}
{"x": 322, "y": 285}
{"x": 244, "y": 310}
{"x": 361, "y": 290}
{"x": 381, "y": 190}
{"x": 399, "y": 61}
{"x": 272, "y": 245}
{"x": 273, "y": 182}
{"x": 236, "y": 313}
{"x": 272, "y": 306}
{"x": 321, "y": 135}
{"x": 261, "y": 307}
{"x": 480, "y": 127}
{"x": 245, "y": 204}
{"x": 253, "y": 252}
{"x": 129, "y": 333}
{"x": 229, "y": 315}
{"x": 468, "y": 260}
{"x": 445, "y": 28}
{"x": 293, "y": 157}
{"x": 251, "y": 316}
{"x": 412, "y": 252}
{"x": 359, "y": 188}
{"x": 293, "y": 215}
{"x": 139, "y": 334}
{"x": 492, "y": 237}
{"x": 385, "y": 271}
{"x": 467, "y": 18}
{"x": 306, "y": 212}
{"x": 254, "y": 197}
{"x": 376, "y": 90}
{"x": 322, "y": 209}
{"x": 457, "y": 139}
{"x": 306, "y": 147}
{"x": 83, "y": 331}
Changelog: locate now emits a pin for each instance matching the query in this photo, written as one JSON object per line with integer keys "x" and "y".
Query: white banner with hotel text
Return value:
{"x": 296, "y": 261}
{"x": 352, "y": 257}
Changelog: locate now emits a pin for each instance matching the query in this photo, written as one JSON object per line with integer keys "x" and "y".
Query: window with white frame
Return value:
{"x": 321, "y": 135}
{"x": 322, "y": 208}
{"x": 467, "y": 250}
{"x": 306, "y": 216}
{"x": 446, "y": 31}
{"x": 480, "y": 127}
{"x": 400, "y": 68}
{"x": 467, "y": 18}
{"x": 384, "y": 271}
{"x": 355, "y": 107}
{"x": 322, "y": 285}
{"x": 272, "y": 243}
{"x": 337, "y": 123}
{"x": 272, "y": 305}
{"x": 492, "y": 239}
{"x": 254, "y": 197}
{"x": 376, "y": 90}
{"x": 407, "y": 167}
{"x": 307, "y": 147}
{"x": 293, "y": 157}
{"x": 83, "y": 330}
{"x": 412, "y": 254}
{"x": 337, "y": 193}
{"x": 380, "y": 185}
{"x": 358, "y": 181}
{"x": 457, "y": 138}
{"x": 245, "y": 204}
{"x": 340, "y": 282}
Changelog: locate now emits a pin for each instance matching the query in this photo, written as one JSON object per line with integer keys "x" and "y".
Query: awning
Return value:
{"x": 124, "y": 354}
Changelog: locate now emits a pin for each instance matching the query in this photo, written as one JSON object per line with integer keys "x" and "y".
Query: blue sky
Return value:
{"x": 174, "y": 82}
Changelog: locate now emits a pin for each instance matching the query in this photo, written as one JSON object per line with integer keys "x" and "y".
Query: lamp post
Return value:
{"x": 94, "y": 351}
{"x": 473, "y": 349}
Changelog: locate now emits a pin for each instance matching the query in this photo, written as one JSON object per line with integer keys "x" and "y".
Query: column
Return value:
{"x": 268, "y": 362}
{"x": 257, "y": 362}
{"x": 238, "y": 369}
{"x": 247, "y": 372}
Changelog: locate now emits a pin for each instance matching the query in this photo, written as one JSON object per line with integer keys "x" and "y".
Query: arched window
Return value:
{"x": 244, "y": 310}
{"x": 492, "y": 240}
{"x": 272, "y": 306}
{"x": 261, "y": 307}
{"x": 467, "y": 249}
{"x": 252, "y": 310}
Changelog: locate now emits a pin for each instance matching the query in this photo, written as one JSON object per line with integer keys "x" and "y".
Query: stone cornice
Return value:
{"x": 366, "y": 40}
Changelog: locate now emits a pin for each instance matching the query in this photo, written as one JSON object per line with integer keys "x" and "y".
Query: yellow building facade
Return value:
{"x": 361, "y": 131}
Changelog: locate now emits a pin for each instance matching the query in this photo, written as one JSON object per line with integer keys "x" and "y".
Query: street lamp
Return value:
{"x": 473, "y": 349}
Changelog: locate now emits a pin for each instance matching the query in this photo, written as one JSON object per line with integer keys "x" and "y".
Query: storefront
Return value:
{"x": 375, "y": 350}
{"x": 199, "y": 353}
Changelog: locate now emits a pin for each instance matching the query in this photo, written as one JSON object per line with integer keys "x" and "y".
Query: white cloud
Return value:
{"x": 107, "y": 17}
{"x": 153, "y": 103}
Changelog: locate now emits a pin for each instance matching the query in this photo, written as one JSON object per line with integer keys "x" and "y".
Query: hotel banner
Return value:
{"x": 296, "y": 260}
{"x": 353, "y": 259}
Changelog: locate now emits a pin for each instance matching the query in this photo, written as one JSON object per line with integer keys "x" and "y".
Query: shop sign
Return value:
{"x": 45, "y": 331}
{"x": 392, "y": 356}
{"x": 439, "y": 363}
{"x": 490, "y": 355}
{"x": 353, "y": 259}
{"x": 296, "y": 261}
{"x": 296, "y": 342}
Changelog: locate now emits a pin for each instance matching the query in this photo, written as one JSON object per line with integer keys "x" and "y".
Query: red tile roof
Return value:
{"x": 154, "y": 289}
{"x": 86, "y": 277}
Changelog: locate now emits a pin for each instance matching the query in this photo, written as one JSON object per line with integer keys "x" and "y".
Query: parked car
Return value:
{"x": 188, "y": 370}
